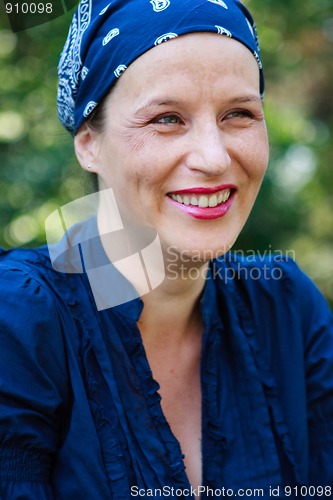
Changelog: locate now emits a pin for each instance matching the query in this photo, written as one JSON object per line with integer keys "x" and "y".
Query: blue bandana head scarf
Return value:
{"x": 105, "y": 37}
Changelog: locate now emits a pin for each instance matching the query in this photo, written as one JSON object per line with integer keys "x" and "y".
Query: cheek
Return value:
{"x": 261, "y": 159}
{"x": 138, "y": 141}
{"x": 138, "y": 179}
{"x": 140, "y": 153}
{"x": 149, "y": 166}
{"x": 252, "y": 153}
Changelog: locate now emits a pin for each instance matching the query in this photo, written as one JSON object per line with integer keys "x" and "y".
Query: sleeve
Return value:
{"x": 33, "y": 386}
{"x": 318, "y": 327}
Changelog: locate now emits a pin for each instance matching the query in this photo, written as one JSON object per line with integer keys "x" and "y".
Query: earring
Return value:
{"x": 89, "y": 166}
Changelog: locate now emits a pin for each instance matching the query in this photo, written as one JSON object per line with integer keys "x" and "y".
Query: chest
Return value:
{"x": 181, "y": 404}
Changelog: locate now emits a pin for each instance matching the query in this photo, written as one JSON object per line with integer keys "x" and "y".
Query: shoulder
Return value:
{"x": 40, "y": 308}
{"x": 20, "y": 274}
{"x": 29, "y": 316}
{"x": 32, "y": 328}
{"x": 20, "y": 264}
{"x": 30, "y": 272}
{"x": 33, "y": 368}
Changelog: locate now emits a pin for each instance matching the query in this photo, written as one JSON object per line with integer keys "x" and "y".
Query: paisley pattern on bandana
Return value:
{"x": 106, "y": 37}
{"x": 70, "y": 67}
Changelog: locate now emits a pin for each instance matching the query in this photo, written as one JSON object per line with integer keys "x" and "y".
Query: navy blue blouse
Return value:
{"x": 80, "y": 413}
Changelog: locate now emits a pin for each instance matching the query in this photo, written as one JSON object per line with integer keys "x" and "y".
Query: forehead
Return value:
{"x": 199, "y": 59}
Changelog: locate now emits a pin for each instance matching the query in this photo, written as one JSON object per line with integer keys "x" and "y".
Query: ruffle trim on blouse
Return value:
{"x": 100, "y": 381}
{"x": 150, "y": 389}
{"x": 219, "y": 441}
{"x": 92, "y": 366}
{"x": 279, "y": 422}
{"x": 268, "y": 381}
{"x": 107, "y": 430}
{"x": 210, "y": 351}
{"x": 240, "y": 326}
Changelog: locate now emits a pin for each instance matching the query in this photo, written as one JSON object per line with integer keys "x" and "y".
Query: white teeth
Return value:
{"x": 203, "y": 201}
{"x": 225, "y": 196}
{"x": 213, "y": 200}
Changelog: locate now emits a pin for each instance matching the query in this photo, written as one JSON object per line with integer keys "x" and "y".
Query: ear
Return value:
{"x": 86, "y": 145}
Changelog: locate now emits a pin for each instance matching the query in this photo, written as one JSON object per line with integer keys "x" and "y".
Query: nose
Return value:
{"x": 208, "y": 152}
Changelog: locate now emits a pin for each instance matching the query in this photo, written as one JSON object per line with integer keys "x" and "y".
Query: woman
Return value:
{"x": 217, "y": 381}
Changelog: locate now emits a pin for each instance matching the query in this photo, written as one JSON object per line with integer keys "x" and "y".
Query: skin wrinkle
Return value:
{"x": 136, "y": 143}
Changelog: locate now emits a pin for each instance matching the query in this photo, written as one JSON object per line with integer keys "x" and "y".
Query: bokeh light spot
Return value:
{"x": 11, "y": 126}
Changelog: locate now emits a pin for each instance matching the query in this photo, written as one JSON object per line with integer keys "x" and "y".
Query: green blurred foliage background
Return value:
{"x": 294, "y": 211}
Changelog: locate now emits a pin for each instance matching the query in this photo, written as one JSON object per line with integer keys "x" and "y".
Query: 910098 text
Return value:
{"x": 29, "y": 8}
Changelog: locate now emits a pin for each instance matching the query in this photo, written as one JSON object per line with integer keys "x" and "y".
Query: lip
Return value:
{"x": 208, "y": 213}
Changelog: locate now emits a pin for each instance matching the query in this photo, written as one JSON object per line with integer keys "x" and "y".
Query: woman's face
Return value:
{"x": 184, "y": 145}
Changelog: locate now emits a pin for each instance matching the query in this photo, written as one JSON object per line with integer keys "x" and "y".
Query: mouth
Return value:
{"x": 204, "y": 203}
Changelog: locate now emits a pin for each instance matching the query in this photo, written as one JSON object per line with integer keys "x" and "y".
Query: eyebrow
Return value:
{"x": 245, "y": 99}
{"x": 173, "y": 102}
{"x": 157, "y": 102}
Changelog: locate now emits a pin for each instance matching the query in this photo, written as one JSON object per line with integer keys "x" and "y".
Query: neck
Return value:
{"x": 171, "y": 312}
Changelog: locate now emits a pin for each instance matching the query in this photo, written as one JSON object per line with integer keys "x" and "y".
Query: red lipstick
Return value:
{"x": 185, "y": 201}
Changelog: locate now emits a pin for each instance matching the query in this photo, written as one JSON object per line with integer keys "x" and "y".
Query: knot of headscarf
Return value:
{"x": 106, "y": 37}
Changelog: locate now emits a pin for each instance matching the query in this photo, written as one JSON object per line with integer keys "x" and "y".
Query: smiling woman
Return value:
{"x": 211, "y": 129}
{"x": 157, "y": 360}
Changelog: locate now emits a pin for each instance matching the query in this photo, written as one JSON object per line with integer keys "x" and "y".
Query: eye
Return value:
{"x": 239, "y": 113}
{"x": 167, "y": 119}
